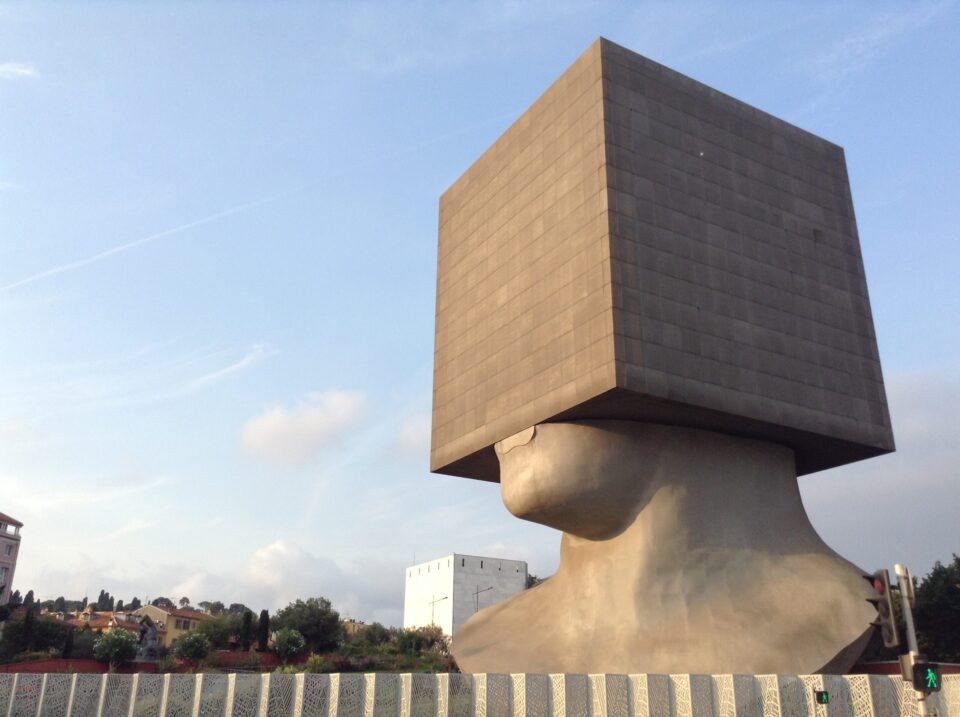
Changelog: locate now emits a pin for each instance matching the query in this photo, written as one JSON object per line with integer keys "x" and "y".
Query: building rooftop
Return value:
{"x": 4, "y": 518}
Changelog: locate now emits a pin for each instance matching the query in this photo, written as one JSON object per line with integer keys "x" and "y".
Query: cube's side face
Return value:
{"x": 738, "y": 283}
{"x": 524, "y": 323}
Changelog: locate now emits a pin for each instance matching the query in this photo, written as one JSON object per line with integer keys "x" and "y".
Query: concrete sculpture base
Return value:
{"x": 683, "y": 551}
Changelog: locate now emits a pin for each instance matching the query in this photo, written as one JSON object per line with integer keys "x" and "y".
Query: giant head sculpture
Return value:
{"x": 652, "y": 317}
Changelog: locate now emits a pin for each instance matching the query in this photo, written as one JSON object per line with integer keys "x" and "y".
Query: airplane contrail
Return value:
{"x": 71, "y": 266}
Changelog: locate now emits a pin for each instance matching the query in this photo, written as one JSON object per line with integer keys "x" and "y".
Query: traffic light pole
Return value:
{"x": 907, "y": 600}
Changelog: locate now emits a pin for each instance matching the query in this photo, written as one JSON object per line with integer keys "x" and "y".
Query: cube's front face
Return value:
{"x": 640, "y": 246}
{"x": 524, "y": 306}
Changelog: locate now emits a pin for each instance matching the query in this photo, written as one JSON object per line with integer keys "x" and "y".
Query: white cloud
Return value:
{"x": 384, "y": 39}
{"x": 253, "y": 356}
{"x": 295, "y": 435}
{"x": 859, "y": 47}
{"x": 131, "y": 526}
{"x": 17, "y": 71}
{"x": 271, "y": 577}
{"x": 414, "y": 437}
{"x": 147, "y": 375}
{"x": 35, "y": 498}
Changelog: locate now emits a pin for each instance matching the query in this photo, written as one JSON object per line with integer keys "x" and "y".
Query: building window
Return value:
{"x": 481, "y": 564}
{"x": 8, "y": 550}
{"x": 3, "y": 573}
{"x": 463, "y": 562}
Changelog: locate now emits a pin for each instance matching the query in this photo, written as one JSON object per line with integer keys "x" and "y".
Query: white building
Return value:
{"x": 447, "y": 591}
{"x": 9, "y": 549}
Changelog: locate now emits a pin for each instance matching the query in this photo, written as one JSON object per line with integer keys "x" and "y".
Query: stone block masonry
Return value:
{"x": 640, "y": 246}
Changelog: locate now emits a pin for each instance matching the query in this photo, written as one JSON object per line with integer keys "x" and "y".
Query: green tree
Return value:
{"x": 29, "y": 629}
{"x": 375, "y": 634}
{"x": 184, "y": 601}
{"x": 31, "y": 634}
{"x": 162, "y": 602}
{"x": 263, "y": 630}
{"x": 416, "y": 640}
{"x": 135, "y": 604}
{"x": 246, "y": 630}
{"x": 83, "y": 643}
{"x": 28, "y": 599}
{"x": 238, "y": 608}
{"x": 193, "y": 646}
{"x": 938, "y": 612}
{"x": 115, "y": 647}
{"x": 288, "y": 643}
{"x": 316, "y": 620}
{"x": 214, "y": 608}
{"x": 15, "y": 599}
{"x": 218, "y": 631}
{"x": 68, "y": 646}
{"x": 60, "y": 604}
{"x": 119, "y": 607}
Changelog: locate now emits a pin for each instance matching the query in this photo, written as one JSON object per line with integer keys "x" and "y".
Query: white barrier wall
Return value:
{"x": 454, "y": 695}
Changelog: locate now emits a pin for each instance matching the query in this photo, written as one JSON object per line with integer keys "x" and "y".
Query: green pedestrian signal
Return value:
{"x": 926, "y": 677}
{"x": 822, "y": 697}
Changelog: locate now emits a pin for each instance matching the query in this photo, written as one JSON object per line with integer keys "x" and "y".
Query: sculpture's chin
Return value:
{"x": 560, "y": 478}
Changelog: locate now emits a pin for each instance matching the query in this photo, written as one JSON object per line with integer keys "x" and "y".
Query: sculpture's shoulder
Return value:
{"x": 508, "y": 636}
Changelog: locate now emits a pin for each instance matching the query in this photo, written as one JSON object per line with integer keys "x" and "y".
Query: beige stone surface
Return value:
{"x": 640, "y": 246}
{"x": 683, "y": 551}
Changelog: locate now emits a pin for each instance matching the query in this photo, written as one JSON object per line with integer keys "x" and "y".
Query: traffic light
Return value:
{"x": 887, "y": 621}
{"x": 822, "y": 697}
{"x": 926, "y": 677}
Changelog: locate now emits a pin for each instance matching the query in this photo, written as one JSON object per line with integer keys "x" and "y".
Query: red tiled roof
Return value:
{"x": 4, "y": 518}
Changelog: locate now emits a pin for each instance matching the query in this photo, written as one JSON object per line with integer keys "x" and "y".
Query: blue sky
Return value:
{"x": 217, "y": 265}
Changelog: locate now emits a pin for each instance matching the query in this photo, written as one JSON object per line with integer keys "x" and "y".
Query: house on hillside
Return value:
{"x": 172, "y": 622}
{"x": 99, "y": 621}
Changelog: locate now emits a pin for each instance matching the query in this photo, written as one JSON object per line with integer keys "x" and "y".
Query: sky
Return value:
{"x": 218, "y": 230}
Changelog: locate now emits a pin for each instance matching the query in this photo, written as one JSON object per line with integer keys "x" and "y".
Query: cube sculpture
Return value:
{"x": 640, "y": 246}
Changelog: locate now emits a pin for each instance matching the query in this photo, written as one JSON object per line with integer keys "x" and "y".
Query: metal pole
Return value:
{"x": 433, "y": 604}
{"x": 905, "y": 580}
{"x": 476, "y": 597}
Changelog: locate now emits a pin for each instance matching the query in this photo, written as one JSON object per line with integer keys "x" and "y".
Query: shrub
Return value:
{"x": 83, "y": 643}
{"x": 115, "y": 647}
{"x": 193, "y": 646}
{"x": 318, "y": 664}
{"x": 288, "y": 643}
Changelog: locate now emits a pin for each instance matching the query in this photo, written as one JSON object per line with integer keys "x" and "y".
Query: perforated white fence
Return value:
{"x": 426, "y": 695}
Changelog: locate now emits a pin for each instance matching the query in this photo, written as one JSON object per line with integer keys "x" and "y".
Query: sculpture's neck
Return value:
{"x": 704, "y": 507}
